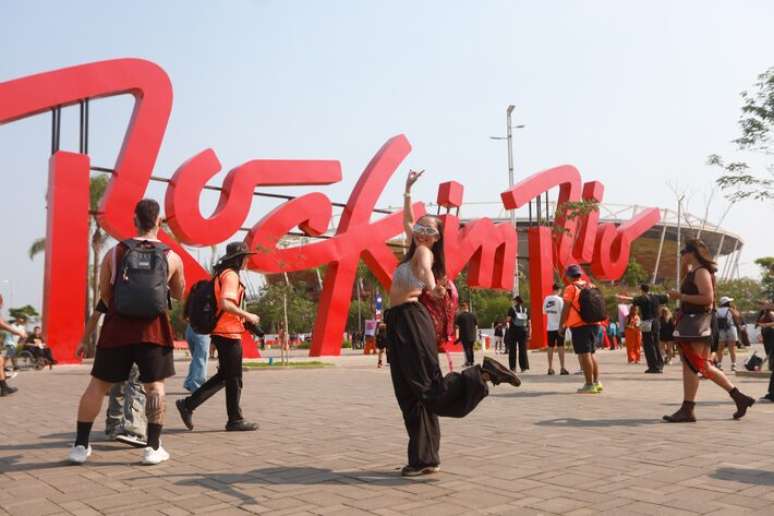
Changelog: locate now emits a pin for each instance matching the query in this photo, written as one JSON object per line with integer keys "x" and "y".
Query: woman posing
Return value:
{"x": 633, "y": 335}
{"x": 423, "y": 393}
{"x": 693, "y": 332}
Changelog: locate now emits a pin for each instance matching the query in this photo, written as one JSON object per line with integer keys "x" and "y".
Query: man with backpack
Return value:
{"x": 584, "y": 310}
{"x": 137, "y": 279}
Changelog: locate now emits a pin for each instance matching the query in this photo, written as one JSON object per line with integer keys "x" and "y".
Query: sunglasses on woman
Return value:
{"x": 419, "y": 229}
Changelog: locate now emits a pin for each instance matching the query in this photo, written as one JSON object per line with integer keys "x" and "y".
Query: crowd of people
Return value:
{"x": 134, "y": 353}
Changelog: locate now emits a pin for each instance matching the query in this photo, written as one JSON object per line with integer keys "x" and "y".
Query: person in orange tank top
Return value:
{"x": 227, "y": 338}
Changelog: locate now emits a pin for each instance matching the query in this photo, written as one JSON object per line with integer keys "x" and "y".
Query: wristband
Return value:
{"x": 407, "y": 194}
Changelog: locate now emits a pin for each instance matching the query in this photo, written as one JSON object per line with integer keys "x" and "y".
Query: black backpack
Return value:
{"x": 723, "y": 322}
{"x": 201, "y": 307}
{"x": 592, "y": 304}
{"x": 141, "y": 289}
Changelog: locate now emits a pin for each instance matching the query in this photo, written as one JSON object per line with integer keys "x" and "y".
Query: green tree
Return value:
{"x": 767, "y": 276}
{"x": 635, "y": 274}
{"x": 269, "y": 306}
{"x": 745, "y": 291}
{"x": 26, "y": 312}
{"x": 757, "y": 126}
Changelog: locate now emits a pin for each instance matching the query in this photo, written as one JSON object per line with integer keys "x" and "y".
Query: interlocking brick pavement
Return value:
{"x": 331, "y": 442}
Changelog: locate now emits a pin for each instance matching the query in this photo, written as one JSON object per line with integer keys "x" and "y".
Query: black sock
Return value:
{"x": 83, "y": 429}
{"x": 154, "y": 435}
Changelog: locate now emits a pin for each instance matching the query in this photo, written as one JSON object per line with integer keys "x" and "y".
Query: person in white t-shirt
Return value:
{"x": 552, "y": 308}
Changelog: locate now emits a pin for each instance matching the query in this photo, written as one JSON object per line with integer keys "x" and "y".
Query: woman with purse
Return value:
{"x": 633, "y": 335}
{"x": 694, "y": 331}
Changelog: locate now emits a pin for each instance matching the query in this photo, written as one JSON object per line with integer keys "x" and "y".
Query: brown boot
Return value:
{"x": 684, "y": 415}
{"x": 743, "y": 402}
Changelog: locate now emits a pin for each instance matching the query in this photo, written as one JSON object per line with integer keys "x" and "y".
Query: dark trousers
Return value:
{"x": 423, "y": 393}
{"x": 516, "y": 341}
{"x": 650, "y": 347}
{"x": 468, "y": 347}
{"x": 229, "y": 375}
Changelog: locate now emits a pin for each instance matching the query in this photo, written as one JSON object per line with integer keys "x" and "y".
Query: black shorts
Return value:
{"x": 584, "y": 338}
{"x": 554, "y": 339}
{"x": 113, "y": 364}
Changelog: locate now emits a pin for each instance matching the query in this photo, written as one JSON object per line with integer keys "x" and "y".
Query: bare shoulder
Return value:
{"x": 174, "y": 261}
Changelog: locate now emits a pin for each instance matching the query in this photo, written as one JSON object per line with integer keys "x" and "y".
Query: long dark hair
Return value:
{"x": 439, "y": 259}
{"x": 235, "y": 264}
{"x": 702, "y": 253}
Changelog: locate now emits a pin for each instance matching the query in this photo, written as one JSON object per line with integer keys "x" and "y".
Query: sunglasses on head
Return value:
{"x": 420, "y": 229}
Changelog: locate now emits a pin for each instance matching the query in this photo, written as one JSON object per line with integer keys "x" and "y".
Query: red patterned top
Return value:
{"x": 442, "y": 312}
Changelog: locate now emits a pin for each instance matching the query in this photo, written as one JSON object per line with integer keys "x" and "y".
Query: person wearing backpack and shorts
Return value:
{"x": 227, "y": 338}
{"x": 727, "y": 334}
{"x": 137, "y": 279}
{"x": 582, "y": 298}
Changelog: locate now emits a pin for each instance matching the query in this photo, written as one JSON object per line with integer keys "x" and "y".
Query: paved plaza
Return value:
{"x": 332, "y": 442}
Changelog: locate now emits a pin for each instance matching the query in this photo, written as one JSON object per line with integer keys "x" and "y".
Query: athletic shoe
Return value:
{"x": 131, "y": 440}
{"x": 408, "y": 471}
{"x": 551, "y": 372}
{"x": 79, "y": 454}
{"x": 768, "y": 398}
{"x": 733, "y": 367}
{"x": 152, "y": 457}
{"x": 241, "y": 426}
{"x": 599, "y": 386}
{"x": 564, "y": 371}
{"x": 588, "y": 389}
{"x": 185, "y": 413}
{"x": 498, "y": 373}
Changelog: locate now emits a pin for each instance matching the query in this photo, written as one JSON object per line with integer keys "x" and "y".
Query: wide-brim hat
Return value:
{"x": 573, "y": 271}
{"x": 235, "y": 250}
{"x": 725, "y": 300}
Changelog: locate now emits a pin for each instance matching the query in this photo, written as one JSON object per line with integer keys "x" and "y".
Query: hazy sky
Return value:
{"x": 633, "y": 94}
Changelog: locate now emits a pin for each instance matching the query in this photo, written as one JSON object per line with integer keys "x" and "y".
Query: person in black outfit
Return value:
{"x": 381, "y": 343}
{"x": 517, "y": 335}
{"x": 423, "y": 393}
{"x": 650, "y": 326}
{"x": 467, "y": 326}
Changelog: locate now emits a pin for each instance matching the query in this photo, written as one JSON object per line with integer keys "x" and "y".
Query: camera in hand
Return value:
{"x": 254, "y": 329}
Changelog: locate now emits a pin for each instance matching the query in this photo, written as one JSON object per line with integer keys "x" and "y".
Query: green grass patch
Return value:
{"x": 313, "y": 364}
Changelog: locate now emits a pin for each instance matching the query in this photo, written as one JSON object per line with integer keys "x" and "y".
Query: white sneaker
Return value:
{"x": 733, "y": 367}
{"x": 153, "y": 457}
{"x": 79, "y": 454}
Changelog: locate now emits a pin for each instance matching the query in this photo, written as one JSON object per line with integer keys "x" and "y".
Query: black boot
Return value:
{"x": 5, "y": 389}
{"x": 186, "y": 414}
{"x": 684, "y": 414}
{"x": 743, "y": 402}
{"x": 498, "y": 373}
{"x": 236, "y": 423}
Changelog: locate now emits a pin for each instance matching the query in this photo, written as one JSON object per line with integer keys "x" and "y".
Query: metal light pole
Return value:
{"x": 509, "y": 138}
{"x": 679, "y": 218}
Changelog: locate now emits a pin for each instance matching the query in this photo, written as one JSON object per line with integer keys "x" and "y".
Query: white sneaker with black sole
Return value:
{"x": 152, "y": 457}
{"x": 79, "y": 454}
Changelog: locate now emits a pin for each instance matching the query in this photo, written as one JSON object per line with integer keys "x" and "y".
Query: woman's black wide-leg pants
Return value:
{"x": 423, "y": 393}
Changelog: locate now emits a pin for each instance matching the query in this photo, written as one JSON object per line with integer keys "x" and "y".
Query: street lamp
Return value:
{"x": 509, "y": 139}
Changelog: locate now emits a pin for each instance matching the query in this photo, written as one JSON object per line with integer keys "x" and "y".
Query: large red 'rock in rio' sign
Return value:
{"x": 488, "y": 249}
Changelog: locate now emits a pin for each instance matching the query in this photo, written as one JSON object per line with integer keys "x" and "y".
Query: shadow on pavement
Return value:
{"x": 757, "y": 477}
{"x": 596, "y": 423}
{"x": 295, "y": 476}
{"x": 525, "y": 394}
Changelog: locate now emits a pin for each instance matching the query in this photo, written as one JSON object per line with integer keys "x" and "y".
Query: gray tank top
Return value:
{"x": 405, "y": 279}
